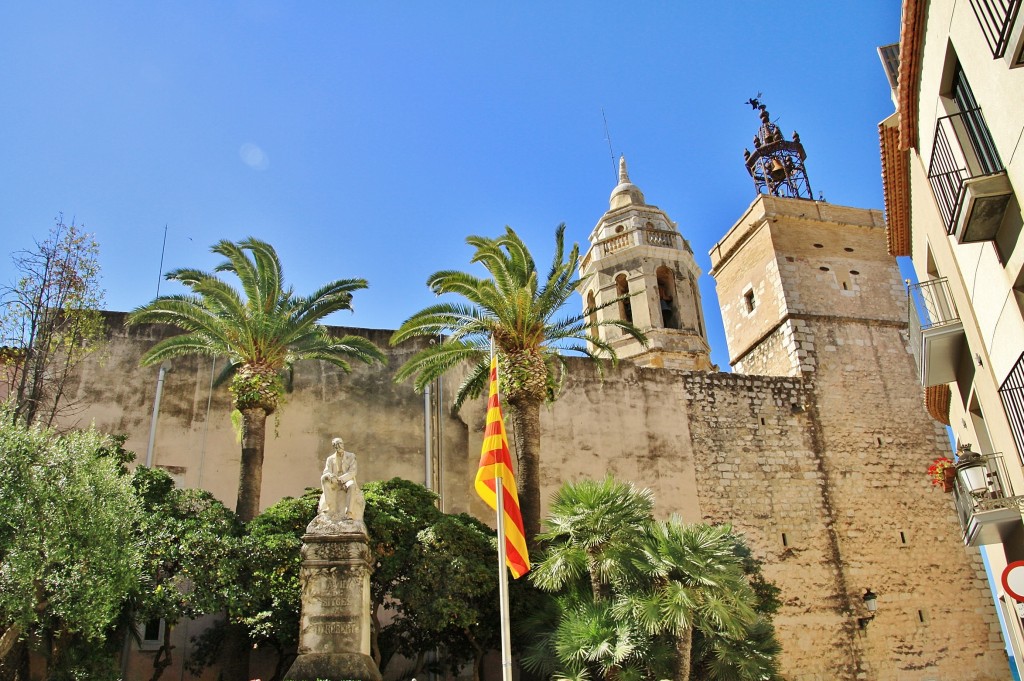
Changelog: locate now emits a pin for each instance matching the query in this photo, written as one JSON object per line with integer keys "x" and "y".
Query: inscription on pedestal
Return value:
{"x": 330, "y": 628}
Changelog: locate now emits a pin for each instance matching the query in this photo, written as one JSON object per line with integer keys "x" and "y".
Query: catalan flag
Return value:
{"x": 496, "y": 462}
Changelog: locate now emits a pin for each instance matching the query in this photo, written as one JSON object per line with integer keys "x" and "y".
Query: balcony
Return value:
{"x": 968, "y": 178}
{"x": 996, "y": 19}
{"x": 936, "y": 332}
{"x": 989, "y": 511}
{"x": 1012, "y": 394}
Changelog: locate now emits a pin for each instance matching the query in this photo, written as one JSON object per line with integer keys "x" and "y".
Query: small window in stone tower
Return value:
{"x": 667, "y": 298}
{"x": 622, "y": 289}
{"x": 591, "y": 313}
{"x": 748, "y": 300}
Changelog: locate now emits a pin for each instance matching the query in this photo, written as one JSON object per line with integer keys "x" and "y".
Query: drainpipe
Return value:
{"x": 164, "y": 368}
{"x": 427, "y": 437}
{"x": 440, "y": 445}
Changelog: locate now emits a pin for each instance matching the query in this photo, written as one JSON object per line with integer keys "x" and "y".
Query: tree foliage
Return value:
{"x": 191, "y": 556}
{"x": 637, "y": 598}
{"x": 49, "y": 321}
{"x": 262, "y": 329}
{"x": 434, "y": 573}
{"x": 518, "y": 311}
{"x": 449, "y": 599}
{"x": 69, "y": 552}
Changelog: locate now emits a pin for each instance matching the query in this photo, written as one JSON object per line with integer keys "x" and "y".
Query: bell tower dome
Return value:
{"x": 636, "y": 250}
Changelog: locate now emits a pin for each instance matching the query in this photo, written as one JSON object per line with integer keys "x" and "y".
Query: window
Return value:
{"x": 748, "y": 300}
{"x": 151, "y": 634}
{"x": 965, "y": 172}
{"x": 622, "y": 289}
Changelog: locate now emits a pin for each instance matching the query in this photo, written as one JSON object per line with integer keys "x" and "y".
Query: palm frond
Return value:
{"x": 433, "y": 361}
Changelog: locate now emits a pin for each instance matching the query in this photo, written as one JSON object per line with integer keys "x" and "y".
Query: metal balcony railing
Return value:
{"x": 932, "y": 318}
{"x": 932, "y": 303}
{"x": 1012, "y": 394}
{"x": 989, "y": 512}
{"x": 996, "y": 19}
{"x": 963, "y": 150}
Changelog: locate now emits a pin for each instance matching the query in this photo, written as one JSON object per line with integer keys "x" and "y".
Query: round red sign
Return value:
{"x": 1013, "y": 580}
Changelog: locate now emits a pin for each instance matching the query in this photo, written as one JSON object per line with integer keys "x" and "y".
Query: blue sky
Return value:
{"x": 369, "y": 139}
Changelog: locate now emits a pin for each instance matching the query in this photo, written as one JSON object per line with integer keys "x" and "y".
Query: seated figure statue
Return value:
{"x": 341, "y": 498}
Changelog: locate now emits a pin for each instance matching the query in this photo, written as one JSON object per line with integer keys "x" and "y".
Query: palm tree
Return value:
{"x": 589, "y": 525}
{"x": 696, "y": 581}
{"x": 592, "y": 529}
{"x": 515, "y": 309}
{"x": 629, "y": 592}
{"x": 263, "y": 330}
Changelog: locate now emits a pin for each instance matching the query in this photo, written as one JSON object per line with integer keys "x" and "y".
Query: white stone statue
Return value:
{"x": 341, "y": 498}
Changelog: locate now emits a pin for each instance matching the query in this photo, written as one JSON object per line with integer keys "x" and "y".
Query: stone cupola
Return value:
{"x": 636, "y": 250}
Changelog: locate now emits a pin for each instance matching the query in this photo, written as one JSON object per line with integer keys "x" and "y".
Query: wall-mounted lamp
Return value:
{"x": 871, "y": 603}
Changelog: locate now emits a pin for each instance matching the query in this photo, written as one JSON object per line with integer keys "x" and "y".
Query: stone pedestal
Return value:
{"x": 334, "y": 629}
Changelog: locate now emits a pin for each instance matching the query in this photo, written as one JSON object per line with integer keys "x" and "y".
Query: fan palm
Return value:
{"x": 696, "y": 580}
{"x": 262, "y": 329}
{"x": 517, "y": 311}
{"x": 591, "y": 527}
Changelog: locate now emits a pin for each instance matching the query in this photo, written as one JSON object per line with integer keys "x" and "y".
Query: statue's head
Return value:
{"x": 338, "y": 444}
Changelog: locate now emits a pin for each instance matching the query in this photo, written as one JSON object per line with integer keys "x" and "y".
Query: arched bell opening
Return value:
{"x": 667, "y": 298}
{"x": 591, "y": 312}
{"x": 622, "y": 289}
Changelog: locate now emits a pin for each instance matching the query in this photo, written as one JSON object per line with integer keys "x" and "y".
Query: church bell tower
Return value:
{"x": 637, "y": 251}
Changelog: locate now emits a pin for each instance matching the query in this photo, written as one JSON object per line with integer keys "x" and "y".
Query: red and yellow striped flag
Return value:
{"x": 496, "y": 461}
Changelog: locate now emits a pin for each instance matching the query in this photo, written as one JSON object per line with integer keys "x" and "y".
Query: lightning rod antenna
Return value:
{"x": 611, "y": 153}
{"x": 162, "y": 250}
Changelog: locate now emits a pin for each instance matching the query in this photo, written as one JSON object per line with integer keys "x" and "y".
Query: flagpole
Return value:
{"x": 506, "y": 637}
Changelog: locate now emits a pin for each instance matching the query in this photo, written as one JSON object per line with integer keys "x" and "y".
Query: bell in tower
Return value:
{"x": 777, "y": 164}
{"x": 638, "y": 256}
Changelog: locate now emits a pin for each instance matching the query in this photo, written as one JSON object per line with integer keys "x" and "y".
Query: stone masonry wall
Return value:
{"x": 897, "y": 534}
{"x": 773, "y": 455}
{"x": 758, "y": 468}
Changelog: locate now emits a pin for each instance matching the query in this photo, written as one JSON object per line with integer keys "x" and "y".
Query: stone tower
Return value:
{"x": 809, "y": 293}
{"x": 637, "y": 251}
{"x": 792, "y": 269}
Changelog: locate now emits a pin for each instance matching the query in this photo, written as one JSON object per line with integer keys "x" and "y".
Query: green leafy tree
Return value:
{"x": 752, "y": 656}
{"x": 69, "y": 555}
{"x": 591, "y": 531}
{"x": 694, "y": 580}
{"x": 263, "y": 330}
{"x": 271, "y": 599}
{"x": 49, "y": 321}
{"x": 397, "y": 510}
{"x": 449, "y": 599}
{"x": 516, "y": 309}
{"x": 192, "y": 556}
{"x": 588, "y": 524}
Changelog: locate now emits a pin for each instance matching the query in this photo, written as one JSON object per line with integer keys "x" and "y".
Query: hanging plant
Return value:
{"x": 937, "y": 472}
